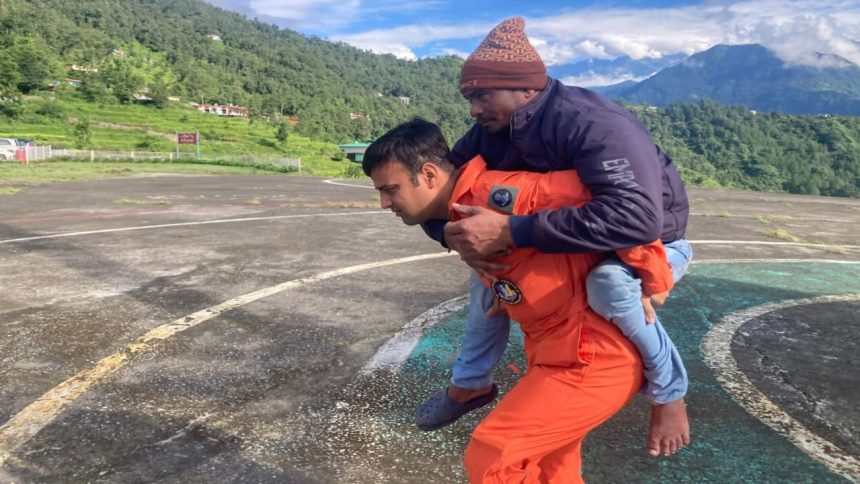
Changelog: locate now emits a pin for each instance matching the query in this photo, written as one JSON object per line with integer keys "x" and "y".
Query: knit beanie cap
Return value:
{"x": 504, "y": 60}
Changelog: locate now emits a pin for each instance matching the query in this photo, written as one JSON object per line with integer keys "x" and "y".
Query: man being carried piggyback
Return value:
{"x": 529, "y": 122}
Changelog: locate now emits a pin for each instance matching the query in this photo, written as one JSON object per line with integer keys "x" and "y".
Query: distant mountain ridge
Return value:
{"x": 752, "y": 76}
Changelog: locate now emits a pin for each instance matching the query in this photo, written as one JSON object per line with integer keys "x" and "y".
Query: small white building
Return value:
{"x": 222, "y": 110}
{"x": 77, "y": 68}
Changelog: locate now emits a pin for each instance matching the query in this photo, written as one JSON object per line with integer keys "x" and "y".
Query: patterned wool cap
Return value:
{"x": 504, "y": 60}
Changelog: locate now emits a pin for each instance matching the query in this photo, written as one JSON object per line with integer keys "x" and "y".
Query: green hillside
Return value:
{"x": 191, "y": 49}
{"x": 52, "y": 119}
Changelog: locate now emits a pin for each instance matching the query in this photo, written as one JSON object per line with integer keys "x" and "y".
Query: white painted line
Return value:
{"x": 342, "y": 184}
{"x": 745, "y": 261}
{"x": 396, "y": 350}
{"x": 184, "y": 224}
{"x": 24, "y": 425}
{"x": 756, "y": 242}
{"x": 776, "y": 218}
{"x": 375, "y": 212}
{"x": 716, "y": 348}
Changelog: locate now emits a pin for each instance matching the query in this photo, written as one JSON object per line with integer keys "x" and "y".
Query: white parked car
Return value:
{"x": 8, "y": 147}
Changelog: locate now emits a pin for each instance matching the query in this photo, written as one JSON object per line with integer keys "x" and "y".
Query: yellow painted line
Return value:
{"x": 24, "y": 425}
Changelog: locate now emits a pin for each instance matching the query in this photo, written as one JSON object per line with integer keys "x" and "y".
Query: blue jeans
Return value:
{"x": 614, "y": 292}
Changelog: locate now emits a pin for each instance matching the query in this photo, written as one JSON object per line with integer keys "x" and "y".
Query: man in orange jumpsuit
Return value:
{"x": 581, "y": 369}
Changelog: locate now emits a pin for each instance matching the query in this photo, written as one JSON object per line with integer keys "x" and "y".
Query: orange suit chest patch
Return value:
{"x": 503, "y": 198}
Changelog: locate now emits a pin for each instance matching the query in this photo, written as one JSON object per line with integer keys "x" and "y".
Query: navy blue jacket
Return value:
{"x": 637, "y": 193}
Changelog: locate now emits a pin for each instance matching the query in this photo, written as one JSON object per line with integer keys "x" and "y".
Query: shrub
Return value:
{"x": 354, "y": 171}
{"x": 83, "y": 132}
{"x": 50, "y": 109}
{"x": 149, "y": 143}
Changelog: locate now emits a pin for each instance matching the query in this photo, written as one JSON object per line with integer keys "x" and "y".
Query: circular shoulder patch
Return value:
{"x": 502, "y": 197}
{"x": 507, "y": 291}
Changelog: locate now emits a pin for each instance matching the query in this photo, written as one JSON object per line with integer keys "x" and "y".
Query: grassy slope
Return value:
{"x": 129, "y": 127}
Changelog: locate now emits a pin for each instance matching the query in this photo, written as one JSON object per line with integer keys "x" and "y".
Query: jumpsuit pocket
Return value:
{"x": 586, "y": 349}
{"x": 568, "y": 346}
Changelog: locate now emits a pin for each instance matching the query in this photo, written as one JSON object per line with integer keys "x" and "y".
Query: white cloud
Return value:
{"x": 592, "y": 49}
{"x": 798, "y": 30}
{"x": 309, "y": 14}
{"x": 592, "y": 79}
{"x": 795, "y": 30}
{"x": 636, "y": 33}
{"x": 459, "y": 53}
{"x": 400, "y": 51}
{"x": 400, "y": 39}
{"x": 552, "y": 53}
{"x": 330, "y": 14}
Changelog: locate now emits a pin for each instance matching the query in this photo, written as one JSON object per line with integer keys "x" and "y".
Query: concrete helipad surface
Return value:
{"x": 283, "y": 329}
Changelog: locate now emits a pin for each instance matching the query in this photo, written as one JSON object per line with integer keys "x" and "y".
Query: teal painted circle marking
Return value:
{"x": 729, "y": 445}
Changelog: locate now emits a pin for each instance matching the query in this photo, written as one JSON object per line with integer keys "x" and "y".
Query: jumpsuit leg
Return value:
{"x": 535, "y": 433}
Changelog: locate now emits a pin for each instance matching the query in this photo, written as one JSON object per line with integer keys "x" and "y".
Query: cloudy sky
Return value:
{"x": 568, "y": 31}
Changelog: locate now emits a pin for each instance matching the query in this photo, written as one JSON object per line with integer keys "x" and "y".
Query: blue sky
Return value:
{"x": 569, "y": 31}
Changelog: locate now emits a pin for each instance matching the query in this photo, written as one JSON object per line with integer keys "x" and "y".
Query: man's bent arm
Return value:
{"x": 619, "y": 163}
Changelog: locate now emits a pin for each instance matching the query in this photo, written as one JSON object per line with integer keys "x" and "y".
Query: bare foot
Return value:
{"x": 463, "y": 395}
{"x": 669, "y": 429}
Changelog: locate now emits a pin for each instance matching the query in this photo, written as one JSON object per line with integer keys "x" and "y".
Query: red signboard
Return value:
{"x": 187, "y": 138}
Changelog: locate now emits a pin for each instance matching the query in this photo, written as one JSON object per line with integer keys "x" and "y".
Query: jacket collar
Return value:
{"x": 522, "y": 116}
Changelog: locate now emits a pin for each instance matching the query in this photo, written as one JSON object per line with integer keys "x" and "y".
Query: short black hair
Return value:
{"x": 412, "y": 144}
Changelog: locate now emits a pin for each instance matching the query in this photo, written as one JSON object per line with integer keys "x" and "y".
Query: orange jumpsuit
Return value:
{"x": 581, "y": 369}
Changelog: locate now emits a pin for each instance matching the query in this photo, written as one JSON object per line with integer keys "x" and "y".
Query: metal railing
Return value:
{"x": 35, "y": 153}
{"x": 26, "y": 154}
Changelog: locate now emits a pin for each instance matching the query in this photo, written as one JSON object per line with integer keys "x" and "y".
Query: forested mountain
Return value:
{"x": 734, "y": 147}
{"x": 194, "y": 50}
{"x": 187, "y": 48}
{"x": 752, "y": 76}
